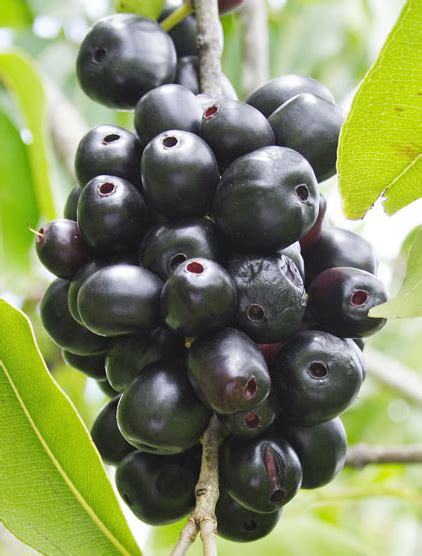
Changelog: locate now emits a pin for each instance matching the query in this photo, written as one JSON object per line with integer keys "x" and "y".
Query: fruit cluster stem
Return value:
{"x": 209, "y": 45}
{"x": 203, "y": 520}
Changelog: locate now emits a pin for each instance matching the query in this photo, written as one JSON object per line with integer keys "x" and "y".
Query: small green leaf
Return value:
{"x": 408, "y": 301}
{"x": 18, "y": 206}
{"x": 380, "y": 151}
{"x": 54, "y": 492}
{"x": 147, "y": 8}
{"x": 14, "y": 13}
{"x": 23, "y": 82}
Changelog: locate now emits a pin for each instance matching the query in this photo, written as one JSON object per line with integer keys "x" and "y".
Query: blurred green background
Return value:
{"x": 374, "y": 511}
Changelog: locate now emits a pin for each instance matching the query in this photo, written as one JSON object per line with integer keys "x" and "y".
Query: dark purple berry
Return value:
{"x": 61, "y": 249}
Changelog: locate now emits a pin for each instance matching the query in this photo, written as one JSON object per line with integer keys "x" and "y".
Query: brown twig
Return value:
{"x": 203, "y": 520}
{"x": 365, "y": 454}
{"x": 209, "y": 45}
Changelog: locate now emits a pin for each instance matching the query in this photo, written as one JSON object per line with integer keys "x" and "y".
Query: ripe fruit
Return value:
{"x": 60, "y": 325}
{"x": 262, "y": 474}
{"x": 107, "y": 437}
{"x": 228, "y": 372}
{"x": 180, "y": 174}
{"x": 199, "y": 296}
{"x": 127, "y": 357}
{"x": 166, "y": 246}
{"x": 266, "y": 200}
{"x": 183, "y": 34}
{"x": 112, "y": 215}
{"x": 337, "y": 247}
{"x": 122, "y": 57}
{"x": 236, "y": 523}
{"x": 60, "y": 248}
{"x": 108, "y": 150}
{"x": 321, "y": 450}
{"x": 294, "y": 253}
{"x": 85, "y": 272}
{"x": 158, "y": 490}
{"x": 175, "y": 420}
{"x": 165, "y": 108}
{"x": 106, "y": 388}
{"x": 272, "y": 94}
{"x": 340, "y": 299}
{"x": 271, "y": 297}
{"x": 70, "y": 208}
{"x": 188, "y": 75}
{"x": 312, "y": 237}
{"x": 253, "y": 422}
{"x": 232, "y": 129}
{"x": 91, "y": 365}
{"x": 310, "y": 125}
{"x": 120, "y": 300}
{"x": 316, "y": 376}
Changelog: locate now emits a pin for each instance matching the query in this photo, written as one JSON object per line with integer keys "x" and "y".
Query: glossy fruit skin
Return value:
{"x": 61, "y": 249}
{"x": 198, "y": 297}
{"x": 179, "y": 174}
{"x": 321, "y": 450}
{"x": 60, "y": 325}
{"x": 257, "y": 205}
{"x": 71, "y": 206}
{"x": 310, "y": 125}
{"x": 271, "y": 296}
{"x": 294, "y": 253}
{"x": 253, "y": 422}
{"x": 165, "y": 108}
{"x": 228, "y": 372}
{"x": 337, "y": 247}
{"x": 312, "y": 237}
{"x": 120, "y": 300}
{"x": 127, "y": 357}
{"x": 91, "y": 365}
{"x": 85, "y": 272}
{"x": 106, "y": 388}
{"x": 112, "y": 215}
{"x": 176, "y": 419}
{"x": 262, "y": 474}
{"x": 236, "y": 523}
{"x": 331, "y": 302}
{"x": 122, "y": 57}
{"x": 167, "y": 245}
{"x": 108, "y": 150}
{"x": 316, "y": 376}
{"x": 107, "y": 437}
{"x": 272, "y": 94}
{"x": 159, "y": 490}
{"x": 188, "y": 75}
{"x": 183, "y": 34}
{"x": 226, "y": 6}
{"x": 232, "y": 129}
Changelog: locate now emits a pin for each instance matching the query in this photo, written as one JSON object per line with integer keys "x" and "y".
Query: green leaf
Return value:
{"x": 54, "y": 492}
{"x": 408, "y": 301}
{"x": 14, "y": 13}
{"x": 23, "y": 82}
{"x": 18, "y": 206}
{"x": 380, "y": 151}
{"x": 147, "y": 8}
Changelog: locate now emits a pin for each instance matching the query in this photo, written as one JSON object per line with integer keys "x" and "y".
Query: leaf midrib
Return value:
{"x": 80, "y": 499}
